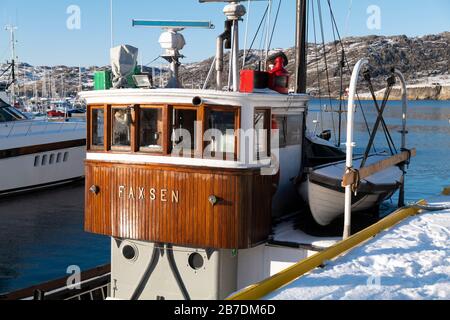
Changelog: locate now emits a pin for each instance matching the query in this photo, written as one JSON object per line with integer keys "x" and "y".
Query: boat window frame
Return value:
{"x": 284, "y": 139}
{"x": 90, "y": 136}
{"x": 237, "y": 126}
{"x": 268, "y": 127}
{"x": 167, "y": 110}
{"x": 165, "y": 131}
{"x": 197, "y": 152}
{"x": 133, "y": 128}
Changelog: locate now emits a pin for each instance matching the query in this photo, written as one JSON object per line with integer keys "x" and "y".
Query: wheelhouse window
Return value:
{"x": 220, "y": 134}
{"x": 151, "y": 128}
{"x": 98, "y": 125}
{"x": 184, "y": 133}
{"x": 179, "y": 131}
{"x": 121, "y": 128}
{"x": 262, "y": 133}
{"x": 290, "y": 129}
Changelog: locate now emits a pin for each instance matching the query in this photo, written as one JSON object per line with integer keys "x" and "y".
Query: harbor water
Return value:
{"x": 41, "y": 234}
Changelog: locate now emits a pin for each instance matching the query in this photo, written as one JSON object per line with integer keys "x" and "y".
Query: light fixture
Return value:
{"x": 143, "y": 81}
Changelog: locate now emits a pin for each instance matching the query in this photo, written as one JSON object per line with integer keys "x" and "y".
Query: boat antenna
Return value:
{"x": 234, "y": 11}
{"x": 172, "y": 41}
{"x": 301, "y": 46}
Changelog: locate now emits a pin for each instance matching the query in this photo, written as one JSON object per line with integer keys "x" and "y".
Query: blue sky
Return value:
{"x": 44, "y": 38}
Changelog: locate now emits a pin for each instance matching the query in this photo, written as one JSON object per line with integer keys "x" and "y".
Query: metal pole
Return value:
{"x": 300, "y": 45}
{"x": 401, "y": 198}
{"x": 249, "y": 5}
{"x": 235, "y": 55}
{"x": 351, "y": 145}
{"x": 12, "y": 29}
{"x": 112, "y": 23}
{"x": 269, "y": 13}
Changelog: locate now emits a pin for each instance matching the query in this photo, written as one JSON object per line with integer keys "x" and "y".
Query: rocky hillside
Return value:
{"x": 425, "y": 61}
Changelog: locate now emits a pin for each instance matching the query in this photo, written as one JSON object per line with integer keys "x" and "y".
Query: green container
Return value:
{"x": 102, "y": 80}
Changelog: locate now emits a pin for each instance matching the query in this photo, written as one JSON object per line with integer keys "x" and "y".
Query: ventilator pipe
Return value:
{"x": 222, "y": 40}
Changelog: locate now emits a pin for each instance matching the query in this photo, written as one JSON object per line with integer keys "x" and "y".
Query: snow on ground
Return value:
{"x": 409, "y": 261}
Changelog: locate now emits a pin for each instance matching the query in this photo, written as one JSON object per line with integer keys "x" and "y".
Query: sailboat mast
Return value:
{"x": 12, "y": 29}
{"x": 301, "y": 46}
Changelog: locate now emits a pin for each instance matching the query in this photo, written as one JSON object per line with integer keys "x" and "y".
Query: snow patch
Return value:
{"x": 408, "y": 262}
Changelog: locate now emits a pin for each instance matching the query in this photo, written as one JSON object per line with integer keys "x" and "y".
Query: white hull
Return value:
{"x": 28, "y": 172}
{"x": 326, "y": 204}
{"x": 327, "y": 201}
{"x": 37, "y": 154}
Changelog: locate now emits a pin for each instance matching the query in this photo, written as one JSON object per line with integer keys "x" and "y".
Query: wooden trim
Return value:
{"x": 237, "y": 127}
{"x": 90, "y": 126}
{"x": 142, "y": 150}
{"x": 24, "y": 151}
{"x": 134, "y": 140}
{"x": 200, "y": 131}
{"x": 239, "y": 220}
{"x": 167, "y": 121}
{"x": 351, "y": 177}
{"x": 90, "y": 133}
{"x": 167, "y": 128}
{"x": 110, "y": 129}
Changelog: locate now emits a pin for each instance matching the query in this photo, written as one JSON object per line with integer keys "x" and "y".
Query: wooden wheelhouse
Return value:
{"x": 187, "y": 167}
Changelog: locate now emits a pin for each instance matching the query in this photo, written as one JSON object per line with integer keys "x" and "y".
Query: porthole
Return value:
{"x": 37, "y": 160}
{"x": 59, "y": 157}
{"x": 66, "y": 156}
{"x": 129, "y": 252}
{"x": 52, "y": 158}
{"x": 44, "y": 160}
{"x": 196, "y": 261}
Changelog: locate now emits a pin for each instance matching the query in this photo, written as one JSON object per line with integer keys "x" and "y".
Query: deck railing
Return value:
{"x": 28, "y": 128}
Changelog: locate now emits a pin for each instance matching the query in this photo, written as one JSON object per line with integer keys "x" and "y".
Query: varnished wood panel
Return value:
{"x": 241, "y": 218}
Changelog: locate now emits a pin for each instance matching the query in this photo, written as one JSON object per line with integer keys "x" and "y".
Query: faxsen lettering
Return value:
{"x": 152, "y": 194}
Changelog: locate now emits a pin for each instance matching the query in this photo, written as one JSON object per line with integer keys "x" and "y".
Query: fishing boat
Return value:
{"x": 197, "y": 189}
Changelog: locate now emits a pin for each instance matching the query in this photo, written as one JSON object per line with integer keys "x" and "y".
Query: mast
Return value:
{"x": 12, "y": 29}
{"x": 301, "y": 46}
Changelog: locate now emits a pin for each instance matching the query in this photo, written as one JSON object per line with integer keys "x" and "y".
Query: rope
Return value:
{"x": 249, "y": 5}
{"x": 348, "y": 69}
{"x": 326, "y": 69}
{"x": 316, "y": 51}
{"x": 355, "y": 186}
{"x": 256, "y": 35}
{"x": 340, "y": 65}
{"x": 275, "y": 23}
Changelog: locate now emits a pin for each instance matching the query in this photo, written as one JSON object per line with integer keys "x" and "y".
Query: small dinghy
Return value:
{"x": 322, "y": 189}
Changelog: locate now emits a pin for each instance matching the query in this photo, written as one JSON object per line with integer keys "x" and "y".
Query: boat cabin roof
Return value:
{"x": 266, "y": 98}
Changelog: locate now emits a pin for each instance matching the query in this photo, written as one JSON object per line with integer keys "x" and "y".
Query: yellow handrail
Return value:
{"x": 285, "y": 277}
